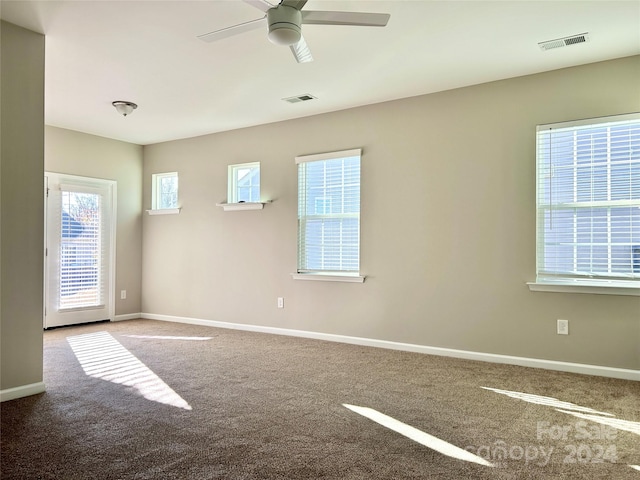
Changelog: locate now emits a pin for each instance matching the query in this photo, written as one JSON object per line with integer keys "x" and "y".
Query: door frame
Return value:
{"x": 95, "y": 182}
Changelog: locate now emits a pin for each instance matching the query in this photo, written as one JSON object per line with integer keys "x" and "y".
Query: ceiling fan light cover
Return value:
{"x": 284, "y": 25}
{"x": 284, "y": 34}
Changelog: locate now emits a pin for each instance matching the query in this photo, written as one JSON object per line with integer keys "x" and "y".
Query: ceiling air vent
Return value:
{"x": 300, "y": 98}
{"x": 564, "y": 42}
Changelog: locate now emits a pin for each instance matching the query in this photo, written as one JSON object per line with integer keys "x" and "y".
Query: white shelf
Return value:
{"x": 164, "y": 211}
{"x": 227, "y": 207}
{"x": 601, "y": 287}
{"x": 327, "y": 277}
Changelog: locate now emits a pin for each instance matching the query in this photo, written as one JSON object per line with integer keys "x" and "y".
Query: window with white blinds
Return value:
{"x": 82, "y": 252}
{"x": 588, "y": 201}
{"x": 329, "y": 213}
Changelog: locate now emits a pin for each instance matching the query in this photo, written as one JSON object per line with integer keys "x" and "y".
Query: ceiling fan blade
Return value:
{"x": 301, "y": 51}
{"x": 345, "y": 18}
{"x": 297, "y": 4}
{"x": 230, "y": 31}
{"x": 261, "y": 4}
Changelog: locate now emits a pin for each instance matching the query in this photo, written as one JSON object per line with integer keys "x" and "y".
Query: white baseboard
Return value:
{"x": 127, "y": 316}
{"x": 21, "y": 391}
{"x": 581, "y": 368}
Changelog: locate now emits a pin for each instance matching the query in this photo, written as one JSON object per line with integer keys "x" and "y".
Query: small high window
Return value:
{"x": 164, "y": 191}
{"x": 244, "y": 182}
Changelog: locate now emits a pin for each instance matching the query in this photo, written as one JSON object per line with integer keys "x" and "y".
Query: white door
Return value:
{"x": 79, "y": 245}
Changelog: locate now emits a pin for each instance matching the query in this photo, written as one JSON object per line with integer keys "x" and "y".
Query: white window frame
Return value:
{"x": 333, "y": 275}
{"x": 156, "y": 181}
{"x": 232, "y": 196}
{"x": 548, "y": 280}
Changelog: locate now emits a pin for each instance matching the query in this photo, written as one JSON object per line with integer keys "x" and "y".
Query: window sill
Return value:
{"x": 228, "y": 207}
{"x": 599, "y": 287}
{"x": 164, "y": 211}
{"x": 329, "y": 277}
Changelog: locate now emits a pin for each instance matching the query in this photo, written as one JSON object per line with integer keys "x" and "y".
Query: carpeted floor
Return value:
{"x": 155, "y": 400}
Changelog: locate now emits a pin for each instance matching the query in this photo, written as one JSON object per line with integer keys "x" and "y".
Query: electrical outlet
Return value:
{"x": 563, "y": 327}
{"x": 123, "y": 294}
{"x": 280, "y": 302}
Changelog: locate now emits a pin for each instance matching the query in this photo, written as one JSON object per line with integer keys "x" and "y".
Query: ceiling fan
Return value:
{"x": 285, "y": 19}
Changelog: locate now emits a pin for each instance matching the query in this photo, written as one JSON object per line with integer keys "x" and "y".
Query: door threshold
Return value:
{"x": 77, "y": 324}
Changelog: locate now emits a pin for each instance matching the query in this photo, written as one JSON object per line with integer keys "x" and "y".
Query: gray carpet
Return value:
{"x": 127, "y": 401}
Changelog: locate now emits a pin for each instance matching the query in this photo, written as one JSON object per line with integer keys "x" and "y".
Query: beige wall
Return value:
{"x": 22, "y": 200}
{"x": 71, "y": 152}
{"x": 448, "y": 224}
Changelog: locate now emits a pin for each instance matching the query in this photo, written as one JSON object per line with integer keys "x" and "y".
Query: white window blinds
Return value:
{"x": 588, "y": 199}
{"x": 82, "y": 252}
{"x": 329, "y": 212}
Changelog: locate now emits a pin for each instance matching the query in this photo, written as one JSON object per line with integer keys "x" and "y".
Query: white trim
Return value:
{"x": 581, "y": 368}
{"x": 113, "y": 248}
{"x": 624, "y": 117}
{"x": 356, "y": 152}
{"x": 22, "y": 391}
{"x": 80, "y": 180}
{"x": 164, "y": 211}
{"x": 227, "y": 207}
{"x": 329, "y": 277}
{"x": 601, "y": 288}
{"x": 126, "y": 316}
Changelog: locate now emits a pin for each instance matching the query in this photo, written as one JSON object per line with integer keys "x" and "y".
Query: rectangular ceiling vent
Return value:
{"x": 300, "y": 98}
{"x": 564, "y": 42}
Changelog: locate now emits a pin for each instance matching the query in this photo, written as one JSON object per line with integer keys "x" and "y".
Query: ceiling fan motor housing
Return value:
{"x": 284, "y": 25}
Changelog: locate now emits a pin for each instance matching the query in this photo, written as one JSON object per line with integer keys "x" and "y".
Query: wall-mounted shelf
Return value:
{"x": 164, "y": 211}
{"x": 227, "y": 207}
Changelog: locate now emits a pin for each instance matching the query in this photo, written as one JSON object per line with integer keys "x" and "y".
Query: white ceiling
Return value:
{"x": 147, "y": 52}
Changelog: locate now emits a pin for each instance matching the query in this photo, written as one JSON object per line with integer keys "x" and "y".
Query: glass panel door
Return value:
{"x": 79, "y": 232}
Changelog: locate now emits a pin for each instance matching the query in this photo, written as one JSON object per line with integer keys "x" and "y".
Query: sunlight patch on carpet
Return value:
{"x": 585, "y": 413}
{"x": 102, "y": 356}
{"x": 419, "y": 436}
{"x": 167, "y": 337}
{"x": 626, "y": 425}
{"x": 548, "y": 401}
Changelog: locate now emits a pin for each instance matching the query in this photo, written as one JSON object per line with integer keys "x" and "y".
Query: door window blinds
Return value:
{"x": 82, "y": 253}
